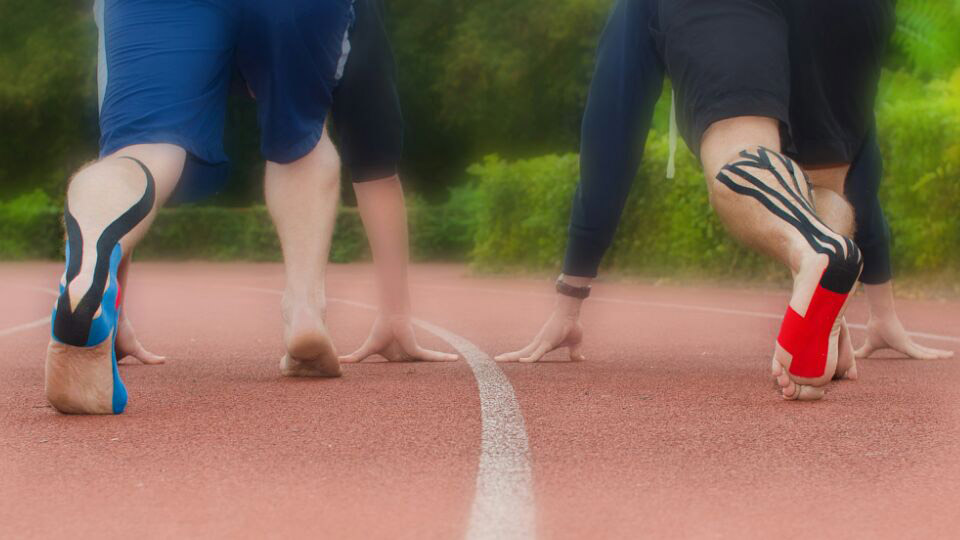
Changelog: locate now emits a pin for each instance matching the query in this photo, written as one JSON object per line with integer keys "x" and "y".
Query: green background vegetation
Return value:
{"x": 493, "y": 92}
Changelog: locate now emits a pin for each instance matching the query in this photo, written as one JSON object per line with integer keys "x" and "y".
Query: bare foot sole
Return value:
{"x": 81, "y": 380}
{"x": 807, "y": 351}
{"x": 310, "y": 353}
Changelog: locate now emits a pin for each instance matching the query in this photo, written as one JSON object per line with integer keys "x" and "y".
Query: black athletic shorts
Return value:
{"x": 811, "y": 64}
{"x": 366, "y": 109}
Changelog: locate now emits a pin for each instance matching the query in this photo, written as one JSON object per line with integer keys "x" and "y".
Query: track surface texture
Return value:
{"x": 671, "y": 428}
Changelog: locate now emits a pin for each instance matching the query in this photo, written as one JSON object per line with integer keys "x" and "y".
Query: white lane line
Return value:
{"x": 30, "y": 325}
{"x": 23, "y": 327}
{"x": 503, "y": 506}
{"x": 669, "y": 305}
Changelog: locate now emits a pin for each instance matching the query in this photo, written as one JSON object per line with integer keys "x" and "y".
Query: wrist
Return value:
{"x": 568, "y": 307}
{"x": 572, "y": 287}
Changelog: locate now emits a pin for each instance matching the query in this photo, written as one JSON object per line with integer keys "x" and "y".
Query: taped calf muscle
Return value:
{"x": 788, "y": 196}
{"x": 72, "y": 326}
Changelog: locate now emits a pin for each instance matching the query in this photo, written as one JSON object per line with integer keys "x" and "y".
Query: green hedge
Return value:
{"x": 31, "y": 228}
{"x": 669, "y": 228}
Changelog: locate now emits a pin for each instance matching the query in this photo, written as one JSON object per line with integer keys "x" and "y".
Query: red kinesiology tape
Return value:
{"x": 807, "y": 338}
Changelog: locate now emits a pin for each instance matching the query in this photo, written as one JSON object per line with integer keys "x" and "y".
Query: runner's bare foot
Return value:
{"x": 310, "y": 351}
{"x": 79, "y": 380}
{"x": 808, "y": 347}
{"x": 81, "y": 375}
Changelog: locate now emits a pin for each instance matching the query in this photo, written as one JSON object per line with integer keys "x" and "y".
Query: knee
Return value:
{"x": 725, "y": 139}
{"x": 723, "y": 174}
{"x": 324, "y": 162}
{"x": 834, "y": 211}
{"x": 326, "y": 153}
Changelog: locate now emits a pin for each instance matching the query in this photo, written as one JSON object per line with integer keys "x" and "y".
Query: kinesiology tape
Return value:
{"x": 80, "y": 326}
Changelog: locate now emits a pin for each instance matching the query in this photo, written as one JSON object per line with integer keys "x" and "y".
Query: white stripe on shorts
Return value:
{"x": 101, "y": 53}
{"x": 344, "y": 52}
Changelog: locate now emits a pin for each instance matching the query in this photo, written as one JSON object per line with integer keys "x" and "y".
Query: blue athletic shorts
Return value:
{"x": 165, "y": 68}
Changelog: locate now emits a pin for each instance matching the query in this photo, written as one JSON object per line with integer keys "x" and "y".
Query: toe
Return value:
{"x": 809, "y": 393}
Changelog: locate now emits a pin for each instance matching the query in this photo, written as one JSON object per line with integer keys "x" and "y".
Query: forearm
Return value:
{"x": 384, "y": 216}
{"x": 626, "y": 85}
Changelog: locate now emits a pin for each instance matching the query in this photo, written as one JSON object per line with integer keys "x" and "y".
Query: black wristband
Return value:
{"x": 574, "y": 292}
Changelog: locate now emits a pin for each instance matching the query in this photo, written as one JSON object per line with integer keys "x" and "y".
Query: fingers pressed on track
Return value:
{"x": 365, "y": 351}
{"x": 146, "y": 357}
{"x": 522, "y": 353}
{"x": 434, "y": 356}
{"x": 537, "y": 354}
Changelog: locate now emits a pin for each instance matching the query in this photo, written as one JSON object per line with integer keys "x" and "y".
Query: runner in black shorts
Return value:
{"x": 813, "y": 65}
{"x": 626, "y": 85}
{"x": 742, "y": 71}
{"x": 366, "y": 108}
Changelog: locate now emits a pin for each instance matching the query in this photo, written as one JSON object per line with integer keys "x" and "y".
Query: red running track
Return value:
{"x": 670, "y": 429}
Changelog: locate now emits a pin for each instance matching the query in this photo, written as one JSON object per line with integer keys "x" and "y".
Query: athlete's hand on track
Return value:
{"x": 129, "y": 345}
{"x": 394, "y": 339}
{"x": 562, "y": 329}
{"x": 888, "y": 333}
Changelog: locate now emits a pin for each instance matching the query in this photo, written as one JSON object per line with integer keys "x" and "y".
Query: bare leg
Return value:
{"x": 766, "y": 201}
{"x": 302, "y": 198}
{"x": 110, "y": 206}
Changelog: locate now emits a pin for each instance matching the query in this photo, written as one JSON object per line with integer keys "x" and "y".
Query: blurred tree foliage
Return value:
{"x": 48, "y": 107}
{"x": 502, "y": 76}
{"x": 927, "y": 40}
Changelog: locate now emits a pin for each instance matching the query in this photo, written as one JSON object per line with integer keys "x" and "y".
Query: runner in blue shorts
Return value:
{"x": 368, "y": 130}
{"x": 164, "y": 74}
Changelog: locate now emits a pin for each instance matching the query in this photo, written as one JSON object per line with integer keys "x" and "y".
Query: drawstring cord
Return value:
{"x": 671, "y": 161}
